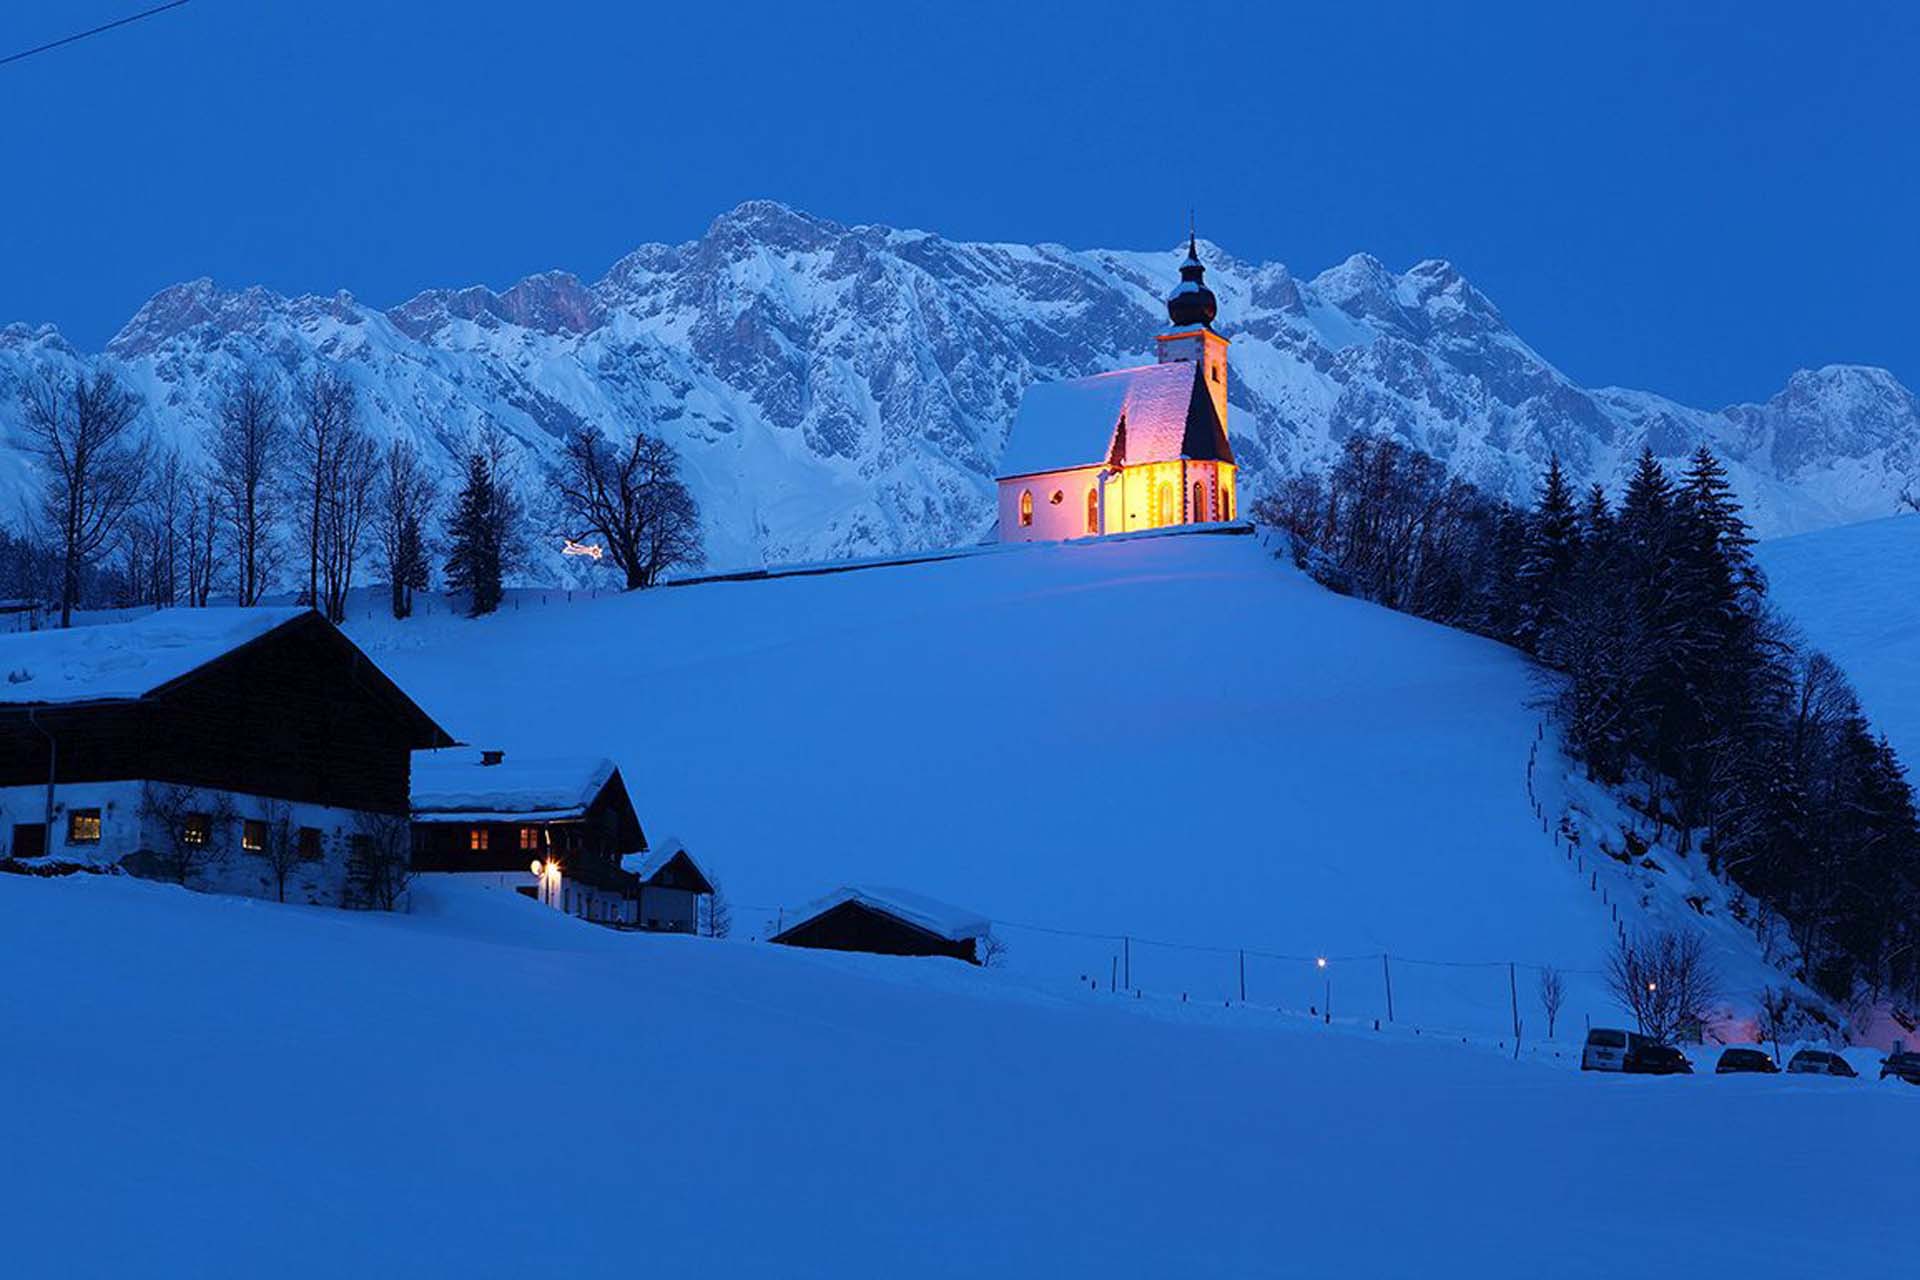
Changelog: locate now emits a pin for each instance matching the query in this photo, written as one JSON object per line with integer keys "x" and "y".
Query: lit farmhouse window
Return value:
{"x": 83, "y": 826}
{"x": 197, "y": 830}
{"x": 1026, "y": 508}
{"x": 477, "y": 839}
{"x": 529, "y": 838}
{"x": 253, "y": 835}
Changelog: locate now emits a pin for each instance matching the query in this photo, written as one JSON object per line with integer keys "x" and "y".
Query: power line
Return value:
{"x": 82, "y": 35}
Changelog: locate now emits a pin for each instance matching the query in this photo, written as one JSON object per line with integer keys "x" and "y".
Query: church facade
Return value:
{"x": 1142, "y": 448}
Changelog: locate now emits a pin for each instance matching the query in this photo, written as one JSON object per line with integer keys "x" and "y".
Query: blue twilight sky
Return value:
{"x": 1692, "y": 198}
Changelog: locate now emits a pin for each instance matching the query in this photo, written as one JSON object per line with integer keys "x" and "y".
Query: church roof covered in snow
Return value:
{"x": 455, "y": 785}
{"x": 1155, "y": 413}
{"x": 943, "y": 920}
{"x": 117, "y": 661}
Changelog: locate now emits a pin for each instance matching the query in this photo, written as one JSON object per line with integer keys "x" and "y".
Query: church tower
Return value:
{"x": 1191, "y": 308}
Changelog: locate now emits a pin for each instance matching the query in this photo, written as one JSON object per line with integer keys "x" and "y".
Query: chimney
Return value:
{"x": 492, "y": 757}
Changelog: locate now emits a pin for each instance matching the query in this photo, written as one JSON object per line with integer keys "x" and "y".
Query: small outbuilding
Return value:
{"x": 671, "y": 886}
{"x": 889, "y": 922}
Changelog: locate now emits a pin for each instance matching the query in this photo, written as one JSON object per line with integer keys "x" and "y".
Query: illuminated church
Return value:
{"x": 1166, "y": 459}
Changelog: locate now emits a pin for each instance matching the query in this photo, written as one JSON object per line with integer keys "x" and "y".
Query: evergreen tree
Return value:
{"x": 1547, "y": 561}
{"x": 475, "y": 561}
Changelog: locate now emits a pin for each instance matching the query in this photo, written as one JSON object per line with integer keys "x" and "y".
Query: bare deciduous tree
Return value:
{"x": 246, "y": 448}
{"x": 80, "y": 429}
{"x": 326, "y": 409}
{"x": 281, "y": 850}
{"x": 1664, "y": 979}
{"x": 349, "y": 495}
{"x": 719, "y": 912}
{"x": 992, "y": 950}
{"x": 634, "y": 501}
{"x": 1776, "y": 1013}
{"x": 403, "y": 504}
{"x": 379, "y": 862}
{"x": 190, "y": 829}
{"x": 202, "y": 538}
{"x": 1553, "y": 994}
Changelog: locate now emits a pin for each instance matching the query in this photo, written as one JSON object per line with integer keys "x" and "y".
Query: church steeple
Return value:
{"x": 1191, "y": 302}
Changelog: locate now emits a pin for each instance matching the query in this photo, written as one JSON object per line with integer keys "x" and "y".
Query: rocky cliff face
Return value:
{"x": 842, "y": 391}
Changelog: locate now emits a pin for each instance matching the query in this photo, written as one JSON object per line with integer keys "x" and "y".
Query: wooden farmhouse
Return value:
{"x": 253, "y": 751}
{"x": 1133, "y": 449}
{"x": 889, "y": 922}
{"x": 555, "y": 829}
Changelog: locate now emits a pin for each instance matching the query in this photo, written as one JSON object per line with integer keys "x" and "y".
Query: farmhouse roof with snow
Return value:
{"x": 120, "y": 661}
{"x": 463, "y": 784}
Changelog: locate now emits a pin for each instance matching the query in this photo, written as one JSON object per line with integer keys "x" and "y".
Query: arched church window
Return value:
{"x": 1026, "y": 508}
{"x": 1226, "y": 504}
{"x": 1199, "y": 500}
{"x": 1166, "y": 513}
{"x": 1093, "y": 511}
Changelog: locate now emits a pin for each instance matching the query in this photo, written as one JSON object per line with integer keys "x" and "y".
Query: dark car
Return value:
{"x": 1904, "y": 1066}
{"x": 1649, "y": 1057}
{"x": 1818, "y": 1062}
{"x": 1737, "y": 1061}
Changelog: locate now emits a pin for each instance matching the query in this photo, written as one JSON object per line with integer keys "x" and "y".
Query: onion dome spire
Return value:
{"x": 1191, "y": 302}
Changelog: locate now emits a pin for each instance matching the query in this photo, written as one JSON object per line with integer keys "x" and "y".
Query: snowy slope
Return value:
{"x": 1179, "y": 740}
{"x": 218, "y": 1087}
{"x": 841, "y": 391}
{"x": 1855, "y": 592}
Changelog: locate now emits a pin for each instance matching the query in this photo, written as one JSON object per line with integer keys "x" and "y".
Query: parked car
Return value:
{"x": 1903, "y": 1066}
{"x": 1607, "y": 1049}
{"x": 1652, "y": 1058}
{"x": 1738, "y": 1060}
{"x": 1818, "y": 1062}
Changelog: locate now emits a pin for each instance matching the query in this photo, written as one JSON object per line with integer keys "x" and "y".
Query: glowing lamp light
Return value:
{"x": 1321, "y": 962}
{"x": 536, "y": 868}
{"x": 593, "y": 551}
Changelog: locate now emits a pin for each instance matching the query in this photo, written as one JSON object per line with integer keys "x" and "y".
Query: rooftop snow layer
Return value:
{"x": 1071, "y": 424}
{"x": 647, "y": 865}
{"x": 121, "y": 660}
{"x": 955, "y": 924}
{"x": 453, "y": 784}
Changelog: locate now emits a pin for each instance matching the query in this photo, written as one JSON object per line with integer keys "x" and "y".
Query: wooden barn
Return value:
{"x": 253, "y": 751}
{"x": 483, "y": 813}
{"x": 889, "y": 922}
{"x": 671, "y": 886}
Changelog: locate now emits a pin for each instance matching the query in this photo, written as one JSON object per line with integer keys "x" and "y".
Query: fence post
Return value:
{"x": 1386, "y": 970}
{"x": 1126, "y": 950}
{"x": 1243, "y": 975}
{"x": 1513, "y": 989}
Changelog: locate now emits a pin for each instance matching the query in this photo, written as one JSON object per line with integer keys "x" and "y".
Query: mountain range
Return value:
{"x": 846, "y": 390}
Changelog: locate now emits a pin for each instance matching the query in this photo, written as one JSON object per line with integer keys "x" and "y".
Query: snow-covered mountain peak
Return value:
{"x": 845, "y": 390}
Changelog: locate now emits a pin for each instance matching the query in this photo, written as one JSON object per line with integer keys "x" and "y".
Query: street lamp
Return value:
{"x": 1326, "y": 1005}
{"x": 548, "y": 875}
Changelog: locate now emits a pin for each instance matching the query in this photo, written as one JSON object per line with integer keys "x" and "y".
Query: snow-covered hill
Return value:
{"x": 1177, "y": 740}
{"x": 1856, "y": 593}
{"x": 846, "y": 390}
{"x": 221, "y": 1087}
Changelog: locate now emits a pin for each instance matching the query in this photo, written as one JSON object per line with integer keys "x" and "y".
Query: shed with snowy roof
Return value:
{"x": 889, "y": 922}
{"x": 481, "y": 812}
{"x": 671, "y": 886}
{"x": 253, "y": 751}
{"x": 1140, "y": 448}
